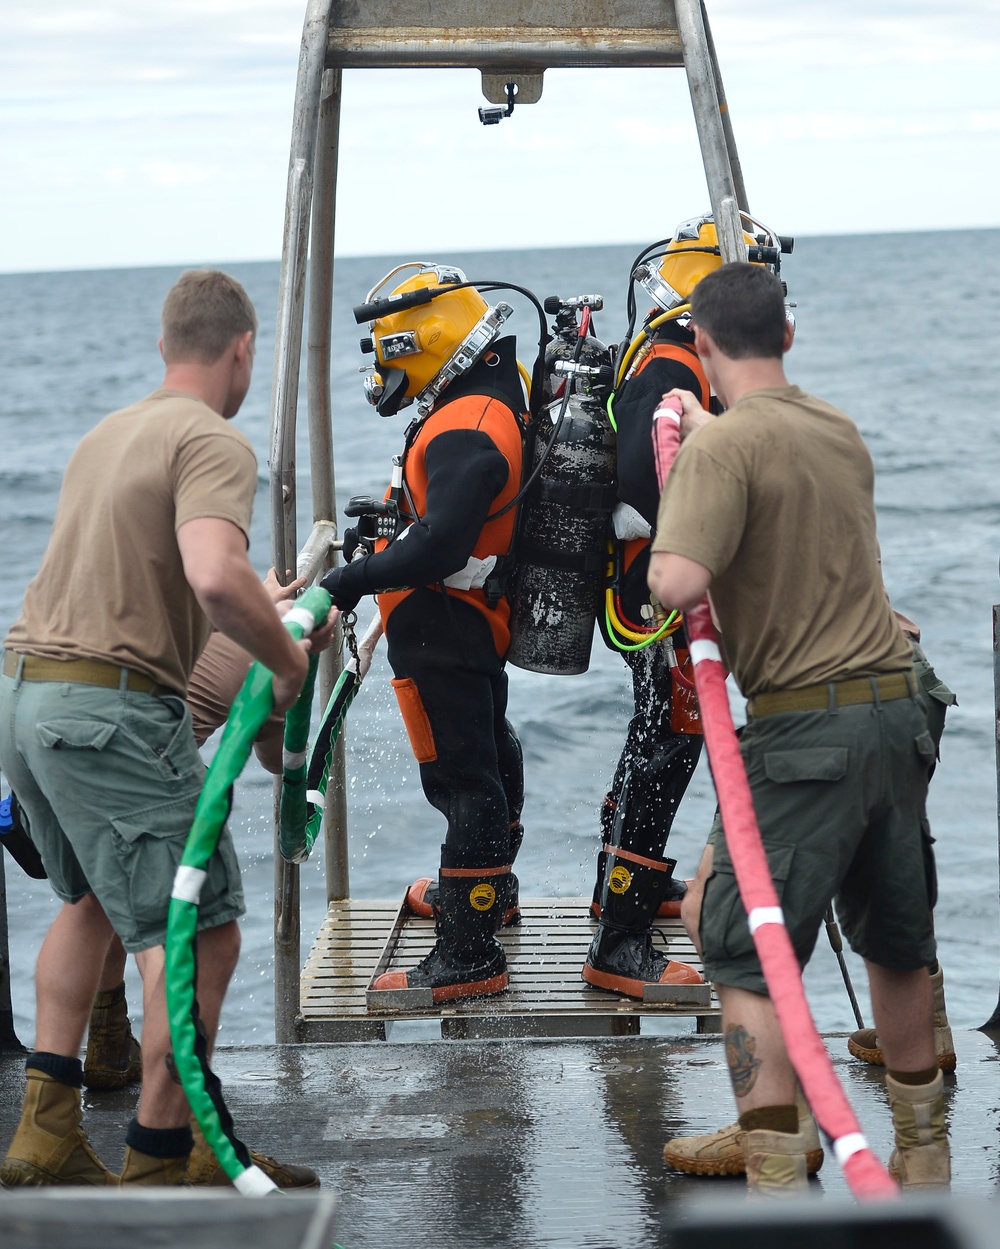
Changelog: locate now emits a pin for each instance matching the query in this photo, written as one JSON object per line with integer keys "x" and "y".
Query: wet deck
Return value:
{"x": 524, "y": 1142}
{"x": 545, "y": 954}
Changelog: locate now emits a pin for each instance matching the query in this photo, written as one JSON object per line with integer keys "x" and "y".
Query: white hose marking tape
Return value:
{"x": 316, "y": 798}
{"x": 300, "y": 616}
{"x": 701, "y": 649}
{"x": 291, "y": 759}
{"x": 761, "y": 915}
{"x": 845, "y": 1147}
{"x": 187, "y": 884}
{"x": 254, "y": 1183}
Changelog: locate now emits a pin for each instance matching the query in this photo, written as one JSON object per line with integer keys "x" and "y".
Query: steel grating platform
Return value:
{"x": 545, "y": 954}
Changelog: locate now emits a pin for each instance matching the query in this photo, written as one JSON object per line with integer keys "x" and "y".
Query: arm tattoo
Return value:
{"x": 742, "y": 1059}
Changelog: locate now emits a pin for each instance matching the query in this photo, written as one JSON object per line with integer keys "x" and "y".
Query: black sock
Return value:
{"x": 65, "y": 1070}
{"x": 160, "y": 1142}
{"x": 771, "y": 1118}
{"x": 916, "y": 1078}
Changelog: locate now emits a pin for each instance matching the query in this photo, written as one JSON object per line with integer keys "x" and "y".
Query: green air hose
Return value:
{"x": 250, "y": 709}
{"x": 292, "y": 807}
{"x": 303, "y": 790}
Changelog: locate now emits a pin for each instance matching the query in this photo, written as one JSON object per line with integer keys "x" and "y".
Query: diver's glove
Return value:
{"x": 347, "y": 584}
{"x": 351, "y": 543}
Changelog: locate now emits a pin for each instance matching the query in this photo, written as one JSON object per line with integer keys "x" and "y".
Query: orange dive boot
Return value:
{"x": 621, "y": 957}
{"x": 466, "y": 960}
{"x": 670, "y": 902}
{"x": 422, "y": 895}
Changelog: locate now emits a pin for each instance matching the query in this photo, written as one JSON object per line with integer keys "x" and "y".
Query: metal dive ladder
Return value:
{"x": 327, "y": 1001}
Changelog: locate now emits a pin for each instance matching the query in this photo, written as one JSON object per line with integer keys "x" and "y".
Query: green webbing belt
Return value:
{"x": 250, "y": 709}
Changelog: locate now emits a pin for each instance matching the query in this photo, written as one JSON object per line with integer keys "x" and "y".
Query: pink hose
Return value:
{"x": 864, "y": 1173}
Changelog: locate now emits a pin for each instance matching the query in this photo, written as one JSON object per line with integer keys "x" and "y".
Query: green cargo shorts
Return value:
{"x": 934, "y": 697}
{"x": 109, "y": 780}
{"x": 839, "y": 800}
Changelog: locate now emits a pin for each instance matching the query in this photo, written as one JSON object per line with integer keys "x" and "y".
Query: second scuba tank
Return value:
{"x": 561, "y": 551}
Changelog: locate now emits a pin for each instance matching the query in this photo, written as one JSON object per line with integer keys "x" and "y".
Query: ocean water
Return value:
{"x": 902, "y": 331}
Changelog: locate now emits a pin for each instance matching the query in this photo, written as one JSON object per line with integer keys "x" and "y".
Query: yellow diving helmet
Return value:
{"x": 424, "y": 346}
{"x": 692, "y": 252}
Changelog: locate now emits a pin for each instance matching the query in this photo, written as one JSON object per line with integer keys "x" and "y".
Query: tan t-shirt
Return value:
{"x": 111, "y": 584}
{"x": 776, "y": 499}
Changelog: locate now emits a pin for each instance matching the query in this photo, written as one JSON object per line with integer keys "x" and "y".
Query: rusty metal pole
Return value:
{"x": 9, "y": 1044}
{"x": 993, "y": 1023}
{"x": 321, "y": 270}
{"x": 284, "y": 403}
{"x": 702, "y": 76}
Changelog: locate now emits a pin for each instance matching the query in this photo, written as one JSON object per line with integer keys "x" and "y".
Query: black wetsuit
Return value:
{"x": 446, "y": 644}
{"x": 656, "y": 763}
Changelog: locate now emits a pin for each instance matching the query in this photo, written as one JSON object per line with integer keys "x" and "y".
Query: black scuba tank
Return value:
{"x": 561, "y": 549}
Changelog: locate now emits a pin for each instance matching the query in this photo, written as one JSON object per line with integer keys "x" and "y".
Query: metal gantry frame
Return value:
{"x": 394, "y": 34}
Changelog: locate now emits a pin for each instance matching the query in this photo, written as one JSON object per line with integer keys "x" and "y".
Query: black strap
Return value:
{"x": 562, "y": 561}
{"x": 581, "y": 496}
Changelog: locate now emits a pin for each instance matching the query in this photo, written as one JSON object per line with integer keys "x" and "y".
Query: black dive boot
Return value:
{"x": 673, "y": 893}
{"x": 621, "y": 957}
{"x": 466, "y": 960}
{"x": 422, "y": 895}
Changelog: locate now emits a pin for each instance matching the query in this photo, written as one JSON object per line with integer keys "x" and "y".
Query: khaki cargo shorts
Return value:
{"x": 839, "y": 799}
{"x": 109, "y": 780}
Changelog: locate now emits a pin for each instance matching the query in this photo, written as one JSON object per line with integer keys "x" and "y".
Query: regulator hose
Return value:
{"x": 250, "y": 709}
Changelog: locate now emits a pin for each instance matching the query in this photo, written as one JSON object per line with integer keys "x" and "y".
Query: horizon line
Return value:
{"x": 349, "y": 255}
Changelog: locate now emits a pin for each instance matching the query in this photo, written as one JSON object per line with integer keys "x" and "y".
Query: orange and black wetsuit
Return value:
{"x": 656, "y": 763}
{"x": 446, "y": 634}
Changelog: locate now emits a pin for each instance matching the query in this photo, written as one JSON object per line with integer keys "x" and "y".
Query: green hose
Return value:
{"x": 303, "y": 792}
{"x": 292, "y": 805}
{"x": 250, "y": 709}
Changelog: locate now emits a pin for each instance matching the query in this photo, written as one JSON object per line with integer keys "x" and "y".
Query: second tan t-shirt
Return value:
{"x": 776, "y": 499}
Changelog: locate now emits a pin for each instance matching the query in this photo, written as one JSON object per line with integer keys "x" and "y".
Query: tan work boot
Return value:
{"x": 775, "y": 1162}
{"x": 721, "y": 1152}
{"x": 204, "y": 1169}
{"x": 864, "y": 1044}
{"x": 146, "y": 1171}
{"x": 50, "y": 1145}
{"x": 113, "y": 1058}
{"x": 922, "y": 1157}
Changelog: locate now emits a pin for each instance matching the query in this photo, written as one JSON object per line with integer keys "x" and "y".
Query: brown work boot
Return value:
{"x": 113, "y": 1058}
{"x": 205, "y": 1170}
{"x": 721, "y": 1152}
{"x": 922, "y": 1157}
{"x": 50, "y": 1145}
{"x": 144, "y": 1170}
{"x": 775, "y": 1162}
{"x": 864, "y": 1044}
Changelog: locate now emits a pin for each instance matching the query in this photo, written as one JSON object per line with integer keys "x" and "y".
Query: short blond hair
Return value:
{"x": 203, "y": 312}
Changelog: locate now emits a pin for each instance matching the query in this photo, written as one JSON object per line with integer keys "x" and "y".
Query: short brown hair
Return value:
{"x": 203, "y": 312}
{"x": 742, "y": 307}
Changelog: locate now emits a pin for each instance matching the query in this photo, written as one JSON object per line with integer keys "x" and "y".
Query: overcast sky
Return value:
{"x": 134, "y": 134}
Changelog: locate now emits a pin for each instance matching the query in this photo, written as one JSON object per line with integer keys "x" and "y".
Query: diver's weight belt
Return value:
{"x": 835, "y": 694}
